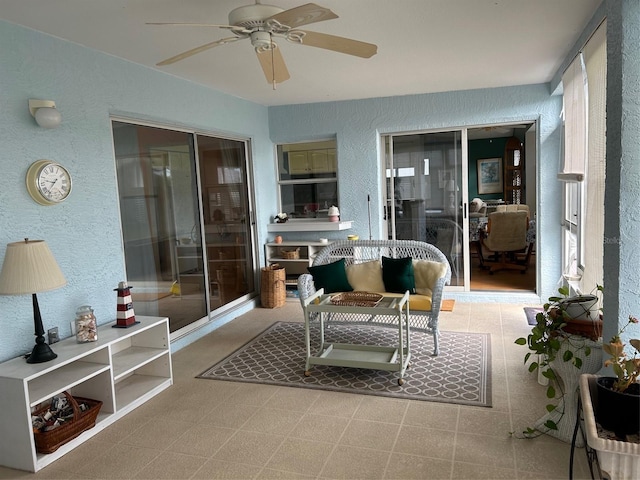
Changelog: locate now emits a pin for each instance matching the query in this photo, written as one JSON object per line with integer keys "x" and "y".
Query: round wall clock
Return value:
{"x": 48, "y": 182}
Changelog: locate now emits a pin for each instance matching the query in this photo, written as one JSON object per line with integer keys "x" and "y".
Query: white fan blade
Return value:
{"x": 339, "y": 44}
{"x": 196, "y": 50}
{"x": 273, "y": 66}
{"x": 228, "y": 27}
{"x": 303, "y": 15}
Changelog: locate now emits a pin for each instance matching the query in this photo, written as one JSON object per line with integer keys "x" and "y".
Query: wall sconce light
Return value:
{"x": 45, "y": 113}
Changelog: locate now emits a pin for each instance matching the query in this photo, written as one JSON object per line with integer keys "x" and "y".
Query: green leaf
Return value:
{"x": 568, "y": 355}
{"x": 550, "y": 408}
{"x": 577, "y": 361}
{"x": 521, "y": 341}
{"x": 551, "y": 425}
{"x": 551, "y": 392}
{"x": 533, "y": 366}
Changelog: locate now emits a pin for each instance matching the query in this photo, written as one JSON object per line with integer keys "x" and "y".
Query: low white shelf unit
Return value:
{"x": 123, "y": 369}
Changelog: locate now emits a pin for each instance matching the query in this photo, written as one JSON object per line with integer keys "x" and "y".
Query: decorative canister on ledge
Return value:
{"x": 334, "y": 214}
{"x": 86, "y": 326}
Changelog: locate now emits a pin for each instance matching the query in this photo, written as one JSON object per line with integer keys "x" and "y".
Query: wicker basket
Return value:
{"x": 356, "y": 299}
{"x": 290, "y": 254}
{"x": 49, "y": 442}
{"x": 273, "y": 291}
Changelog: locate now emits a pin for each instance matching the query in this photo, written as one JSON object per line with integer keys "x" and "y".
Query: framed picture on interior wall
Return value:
{"x": 489, "y": 175}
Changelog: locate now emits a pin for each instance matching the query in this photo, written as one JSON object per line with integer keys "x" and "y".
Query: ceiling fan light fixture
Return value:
{"x": 262, "y": 41}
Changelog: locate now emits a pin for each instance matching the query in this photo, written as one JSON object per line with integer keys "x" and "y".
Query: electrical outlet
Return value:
{"x": 53, "y": 335}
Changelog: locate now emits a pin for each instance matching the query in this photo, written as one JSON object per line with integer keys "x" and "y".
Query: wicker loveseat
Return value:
{"x": 361, "y": 256}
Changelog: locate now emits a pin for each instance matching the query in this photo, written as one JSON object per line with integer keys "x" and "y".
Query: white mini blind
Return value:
{"x": 575, "y": 122}
{"x": 595, "y": 59}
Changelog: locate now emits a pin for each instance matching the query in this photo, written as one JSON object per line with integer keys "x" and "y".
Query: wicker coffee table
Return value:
{"x": 395, "y": 358}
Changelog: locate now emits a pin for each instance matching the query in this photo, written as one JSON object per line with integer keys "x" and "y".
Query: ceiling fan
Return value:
{"x": 261, "y": 23}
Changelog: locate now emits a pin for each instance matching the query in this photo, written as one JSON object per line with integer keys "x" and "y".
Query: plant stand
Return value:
{"x": 564, "y": 414}
{"x": 617, "y": 460}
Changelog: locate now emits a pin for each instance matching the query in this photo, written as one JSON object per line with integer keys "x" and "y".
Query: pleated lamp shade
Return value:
{"x": 29, "y": 267}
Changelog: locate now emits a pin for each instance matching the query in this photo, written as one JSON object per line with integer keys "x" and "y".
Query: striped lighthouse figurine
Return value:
{"x": 125, "y": 317}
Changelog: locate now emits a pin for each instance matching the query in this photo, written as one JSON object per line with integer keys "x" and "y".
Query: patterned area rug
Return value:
{"x": 461, "y": 374}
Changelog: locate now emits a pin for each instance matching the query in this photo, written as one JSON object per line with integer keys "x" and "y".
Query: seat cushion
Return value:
{"x": 366, "y": 276}
{"x": 397, "y": 275}
{"x": 417, "y": 303}
{"x": 426, "y": 273}
{"x": 332, "y": 277}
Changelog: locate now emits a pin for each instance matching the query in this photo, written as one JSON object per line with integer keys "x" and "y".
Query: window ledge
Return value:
{"x": 321, "y": 225}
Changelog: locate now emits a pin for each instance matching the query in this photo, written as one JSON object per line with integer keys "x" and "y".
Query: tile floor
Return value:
{"x": 205, "y": 429}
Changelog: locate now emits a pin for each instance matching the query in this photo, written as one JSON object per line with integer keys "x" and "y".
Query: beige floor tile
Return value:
{"x": 368, "y": 434}
{"x": 272, "y": 420}
{"x": 336, "y": 404}
{"x": 355, "y": 463}
{"x": 426, "y": 442}
{"x": 485, "y": 450}
{"x": 121, "y": 462}
{"x": 300, "y": 456}
{"x": 484, "y": 421}
{"x": 253, "y": 448}
{"x": 442, "y": 416}
{"x": 473, "y": 471}
{"x": 230, "y": 415}
{"x": 171, "y": 466}
{"x": 220, "y": 469}
{"x": 556, "y": 456}
{"x": 382, "y": 409}
{"x": 201, "y": 440}
{"x": 270, "y": 474}
{"x": 293, "y": 399}
{"x": 157, "y": 434}
{"x": 252, "y": 394}
{"x": 413, "y": 467}
{"x": 321, "y": 428}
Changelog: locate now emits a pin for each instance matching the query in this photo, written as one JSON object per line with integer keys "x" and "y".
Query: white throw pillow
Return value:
{"x": 366, "y": 277}
{"x": 426, "y": 274}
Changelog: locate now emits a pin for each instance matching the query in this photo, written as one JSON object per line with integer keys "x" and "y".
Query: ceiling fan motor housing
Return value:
{"x": 252, "y": 16}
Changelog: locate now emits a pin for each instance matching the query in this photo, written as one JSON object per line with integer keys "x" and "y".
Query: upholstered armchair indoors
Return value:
{"x": 477, "y": 208}
{"x": 506, "y": 236}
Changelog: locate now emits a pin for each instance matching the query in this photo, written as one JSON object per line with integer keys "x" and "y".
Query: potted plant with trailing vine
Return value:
{"x": 560, "y": 341}
{"x": 618, "y": 406}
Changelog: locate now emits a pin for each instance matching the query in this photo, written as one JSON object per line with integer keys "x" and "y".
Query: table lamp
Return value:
{"x": 29, "y": 267}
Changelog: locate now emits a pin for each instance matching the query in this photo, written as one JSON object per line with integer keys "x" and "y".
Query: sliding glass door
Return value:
{"x": 184, "y": 209}
{"x": 425, "y": 177}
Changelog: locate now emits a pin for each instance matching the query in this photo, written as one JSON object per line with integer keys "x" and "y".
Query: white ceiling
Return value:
{"x": 424, "y": 46}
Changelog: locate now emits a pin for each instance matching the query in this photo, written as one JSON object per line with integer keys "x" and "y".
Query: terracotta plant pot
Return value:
{"x": 616, "y": 411}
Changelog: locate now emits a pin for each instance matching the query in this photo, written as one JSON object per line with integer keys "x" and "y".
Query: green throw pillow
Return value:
{"x": 397, "y": 275}
{"x": 332, "y": 277}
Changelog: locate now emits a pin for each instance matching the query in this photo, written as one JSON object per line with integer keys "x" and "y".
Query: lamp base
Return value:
{"x": 41, "y": 353}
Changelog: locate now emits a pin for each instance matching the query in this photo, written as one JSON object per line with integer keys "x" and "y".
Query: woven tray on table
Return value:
{"x": 50, "y": 441}
{"x": 356, "y": 299}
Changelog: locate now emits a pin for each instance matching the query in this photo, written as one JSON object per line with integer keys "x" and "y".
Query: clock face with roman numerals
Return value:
{"x": 48, "y": 182}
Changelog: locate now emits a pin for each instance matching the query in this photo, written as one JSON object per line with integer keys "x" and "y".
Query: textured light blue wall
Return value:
{"x": 84, "y": 232}
{"x": 622, "y": 194}
{"x": 357, "y": 125}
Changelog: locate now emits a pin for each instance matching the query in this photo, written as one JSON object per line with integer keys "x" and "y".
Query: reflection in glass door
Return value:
{"x": 166, "y": 223}
{"x": 424, "y": 189}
